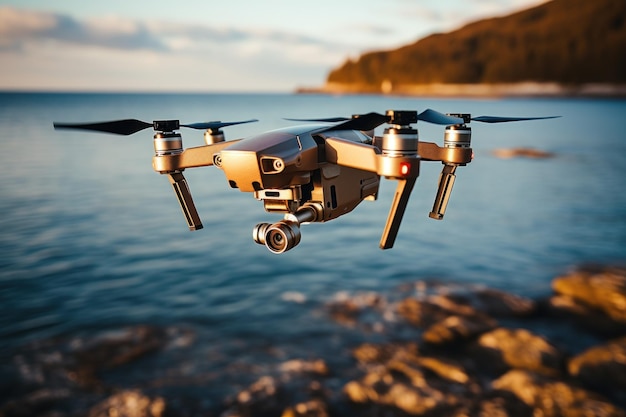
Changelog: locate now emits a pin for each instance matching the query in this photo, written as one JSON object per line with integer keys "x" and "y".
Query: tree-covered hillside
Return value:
{"x": 564, "y": 41}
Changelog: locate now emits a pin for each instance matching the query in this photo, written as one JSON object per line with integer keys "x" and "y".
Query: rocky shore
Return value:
{"x": 446, "y": 351}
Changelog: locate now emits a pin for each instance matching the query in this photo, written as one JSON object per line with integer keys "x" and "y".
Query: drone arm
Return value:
{"x": 200, "y": 156}
{"x": 369, "y": 158}
{"x": 429, "y": 151}
{"x": 352, "y": 154}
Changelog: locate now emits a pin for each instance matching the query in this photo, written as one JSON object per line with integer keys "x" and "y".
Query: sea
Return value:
{"x": 92, "y": 240}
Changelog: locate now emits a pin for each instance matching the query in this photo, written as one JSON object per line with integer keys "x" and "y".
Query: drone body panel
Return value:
{"x": 272, "y": 160}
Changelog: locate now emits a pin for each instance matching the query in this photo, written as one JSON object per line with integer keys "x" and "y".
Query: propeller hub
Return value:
{"x": 166, "y": 125}
{"x": 402, "y": 117}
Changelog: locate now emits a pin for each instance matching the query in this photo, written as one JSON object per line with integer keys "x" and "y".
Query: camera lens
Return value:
{"x": 282, "y": 236}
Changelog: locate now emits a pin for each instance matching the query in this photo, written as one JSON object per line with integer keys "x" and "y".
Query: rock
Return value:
{"x": 408, "y": 382}
{"x": 421, "y": 313}
{"x": 454, "y": 329}
{"x": 369, "y": 353}
{"x": 317, "y": 367}
{"x": 393, "y": 356}
{"x": 129, "y": 404}
{"x": 503, "y": 349}
{"x": 492, "y": 302}
{"x": 603, "y": 368}
{"x": 603, "y": 288}
{"x": 591, "y": 319}
{"x": 263, "y": 397}
{"x": 521, "y": 152}
{"x": 111, "y": 349}
{"x": 313, "y": 408}
{"x": 34, "y": 403}
{"x": 346, "y": 308}
{"x": 494, "y": 404}
{"x": 552, "y": 398}
{"x": 383, "y": 390}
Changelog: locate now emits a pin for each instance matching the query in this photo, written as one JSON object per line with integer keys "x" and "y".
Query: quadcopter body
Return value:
{"x": 314, "y": 172}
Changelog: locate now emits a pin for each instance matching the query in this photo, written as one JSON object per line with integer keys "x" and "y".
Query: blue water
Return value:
{"x": 92, "y": 238}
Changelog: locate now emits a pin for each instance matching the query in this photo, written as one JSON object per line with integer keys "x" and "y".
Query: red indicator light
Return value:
{"x": 405, "y": 168}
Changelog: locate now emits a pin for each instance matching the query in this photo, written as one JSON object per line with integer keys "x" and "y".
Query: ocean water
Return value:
{"x": 91, "y": 238}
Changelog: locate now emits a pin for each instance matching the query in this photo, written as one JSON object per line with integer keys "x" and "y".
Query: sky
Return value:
{"x": 208, "y": 45}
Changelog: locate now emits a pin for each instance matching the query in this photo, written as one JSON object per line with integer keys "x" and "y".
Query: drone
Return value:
{"x": 313, "y": 172}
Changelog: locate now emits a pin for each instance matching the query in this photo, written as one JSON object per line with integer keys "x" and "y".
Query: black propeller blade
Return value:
{"x": 432, "y": 116}
{"x": 364, "y": 122}
{"x": 327, "y": 120}
{"x": 216, "y": 125}
{"x": 117, "y": 127}
{"x": 370, "y": 121}
{"x": 129, "y": 126}
{"x": 499, "y": 119}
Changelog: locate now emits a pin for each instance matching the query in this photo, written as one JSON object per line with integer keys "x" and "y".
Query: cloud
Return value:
{"x": 19, "y": 27}
{"x": 44, "y": 48}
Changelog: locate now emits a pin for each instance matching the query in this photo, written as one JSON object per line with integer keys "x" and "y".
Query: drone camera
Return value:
{"x": 278, "y": 237}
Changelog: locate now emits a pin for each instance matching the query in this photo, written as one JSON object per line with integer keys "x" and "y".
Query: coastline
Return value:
{"x": 502, "y": 90}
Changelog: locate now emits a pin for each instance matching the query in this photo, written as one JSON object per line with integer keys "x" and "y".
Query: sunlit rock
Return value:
{"x": 265, "y": 396}
{"x": 583, "y": 315}
{"x": 603, "y": 368}
{"x": 490, "y": 301}
{"x": 603, "y": 288}
{"x": 313, "y": 408}
{"x": 422, "y": 313}
{"x": 317, "y": 367}
{"x": 521, "y": 153}
{"x": 129, "y": 404}
{"x": 553, "y": 398}
{"x": 503, "y": 349}
{"x": 454, "y": 329}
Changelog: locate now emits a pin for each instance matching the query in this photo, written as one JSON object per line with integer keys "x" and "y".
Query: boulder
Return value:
{"x": 490, "y": 301}
{"x": 455, "y": 329}
{"x": 603, "y": 288}
{"x": 129, "y": 404}
{"x": 521, "y": 152}
{"x": 603, "y": 368}
{"x": 554, "y": 398}
{"x": 421, "y": 313}
{"x": 402, "y": 380}
{"x": 589, "y": 318}
{"x": 413, "y": 396}
{"x": 313, "y": 408}
{"x": 503, "y": 349}
{"x": 265, "y": 396}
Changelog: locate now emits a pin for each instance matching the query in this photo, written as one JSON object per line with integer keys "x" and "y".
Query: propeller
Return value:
{"x": 499, "y": 119}
{"x": 129, "y": 126}
{"x": 372, "y": 120}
